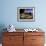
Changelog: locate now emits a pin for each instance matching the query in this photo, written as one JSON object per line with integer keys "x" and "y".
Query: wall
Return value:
{"x": 8, "y": 13}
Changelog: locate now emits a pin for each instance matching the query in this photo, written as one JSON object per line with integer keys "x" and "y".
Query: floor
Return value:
{"x": 0, "y": 44}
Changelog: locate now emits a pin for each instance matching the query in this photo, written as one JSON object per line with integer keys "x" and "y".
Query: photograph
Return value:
{"x": 25, "y": 14}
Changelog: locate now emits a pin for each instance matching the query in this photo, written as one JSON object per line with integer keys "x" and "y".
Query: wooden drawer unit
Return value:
{"x": 13, "y": 39}
{"x": 33, "y": 38}
{"x": 23, "y": 39}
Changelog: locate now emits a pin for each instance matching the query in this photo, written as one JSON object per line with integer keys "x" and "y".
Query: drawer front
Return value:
{"x": 12, "y": 39}
{"x": 12, "y": 44}
{"x": 34, "y": 33}
{"x": 37, "y": 39}
{"x": 27, "y": 41}
{"x": 37, "y": 44}
{"x": 13, "y": 33}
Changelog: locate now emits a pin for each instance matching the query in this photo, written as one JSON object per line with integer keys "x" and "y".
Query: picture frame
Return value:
{"x": 26, "y": 14}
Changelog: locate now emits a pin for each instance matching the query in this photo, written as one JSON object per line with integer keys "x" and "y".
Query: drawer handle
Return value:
{"x": 11, "y": 38}
{"x": 33, "y": 39}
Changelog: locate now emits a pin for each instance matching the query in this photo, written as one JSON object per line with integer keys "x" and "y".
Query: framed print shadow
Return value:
{"x": 26, "y": 14}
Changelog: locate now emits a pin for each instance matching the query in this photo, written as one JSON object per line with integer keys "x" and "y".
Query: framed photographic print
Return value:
{"x": 26, "y": 14}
